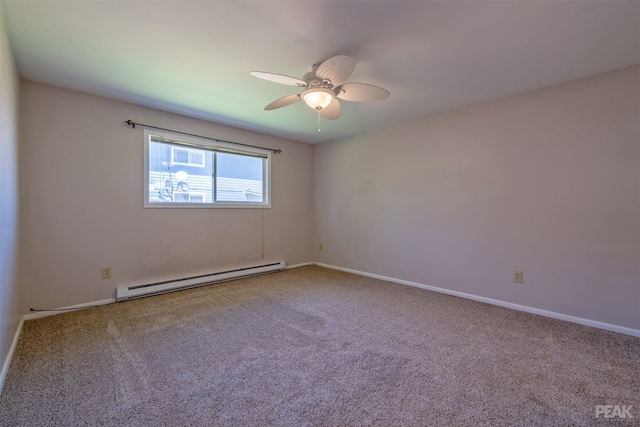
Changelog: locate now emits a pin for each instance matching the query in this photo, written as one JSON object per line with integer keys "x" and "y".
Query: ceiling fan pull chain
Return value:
{"x": 318, "y": 110}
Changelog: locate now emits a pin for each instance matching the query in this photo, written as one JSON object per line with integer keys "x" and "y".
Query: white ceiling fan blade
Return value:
{"x": 331, "y": 111}
{"x": 337, "y": 69}
{"x": 279, "y": 78}
{"x": 283, "y": 102}
{"x": 361, "y": 92}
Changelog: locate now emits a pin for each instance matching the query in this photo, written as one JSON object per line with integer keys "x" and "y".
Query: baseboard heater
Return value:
{"x": 124, "y": 293}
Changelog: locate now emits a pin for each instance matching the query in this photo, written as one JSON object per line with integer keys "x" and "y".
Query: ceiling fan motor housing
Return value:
{"x": 315, "y": 81}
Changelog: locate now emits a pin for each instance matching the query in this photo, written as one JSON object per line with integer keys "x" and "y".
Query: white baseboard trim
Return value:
{"x": 304, "y": 264}
{"x": 38, "y": 314}
{"x": 7, "y": 361}
{"x": 518, "y": 307}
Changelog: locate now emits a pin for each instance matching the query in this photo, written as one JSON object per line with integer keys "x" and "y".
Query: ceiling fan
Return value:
{"x": 323, "y": 85}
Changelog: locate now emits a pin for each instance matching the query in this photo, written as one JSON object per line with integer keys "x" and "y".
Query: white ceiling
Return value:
{"x": 194, "y": 57}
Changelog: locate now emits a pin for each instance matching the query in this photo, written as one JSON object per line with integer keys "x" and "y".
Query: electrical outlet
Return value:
{"x": 517, "y": 277}
{"x": 105, "y": 273}
{"x": 320, "y": 247}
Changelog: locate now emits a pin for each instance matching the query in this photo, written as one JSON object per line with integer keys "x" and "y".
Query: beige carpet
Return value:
{"x": 315, "y": 347}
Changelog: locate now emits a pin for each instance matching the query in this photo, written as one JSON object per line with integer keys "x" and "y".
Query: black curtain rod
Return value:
{"x": 133, "y": 125}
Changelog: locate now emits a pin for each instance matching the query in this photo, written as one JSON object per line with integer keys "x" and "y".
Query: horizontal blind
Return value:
{"x": 207, "y": 147}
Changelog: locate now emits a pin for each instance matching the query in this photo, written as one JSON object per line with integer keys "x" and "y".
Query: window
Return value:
{"x": 186, "y": 171}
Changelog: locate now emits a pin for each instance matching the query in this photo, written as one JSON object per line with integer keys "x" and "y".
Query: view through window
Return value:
{"x": 193, "y": 172}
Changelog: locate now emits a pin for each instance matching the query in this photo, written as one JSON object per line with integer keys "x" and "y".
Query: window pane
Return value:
{"x": 180, "y": 197}
{"x": 180, "y": 156}
{"x": 239, "y": 178}
{"x": 172, "y": 183}
{"x": 197, "y": 157}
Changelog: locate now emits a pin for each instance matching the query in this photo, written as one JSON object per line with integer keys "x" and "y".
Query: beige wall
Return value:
{"x": 545, "y": 182}
{"x": 9, "y": 201}
{"x": 82, "y": 203}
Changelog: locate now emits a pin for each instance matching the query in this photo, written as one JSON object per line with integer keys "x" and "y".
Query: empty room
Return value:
{"x": 319, "y": 213}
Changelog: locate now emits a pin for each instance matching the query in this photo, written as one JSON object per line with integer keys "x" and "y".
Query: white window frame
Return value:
{"x": 203, "y": 144}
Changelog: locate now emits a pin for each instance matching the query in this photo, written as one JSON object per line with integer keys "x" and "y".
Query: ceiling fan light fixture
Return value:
{"x": 317, "y": 98}
{"x": 324, "y": 87}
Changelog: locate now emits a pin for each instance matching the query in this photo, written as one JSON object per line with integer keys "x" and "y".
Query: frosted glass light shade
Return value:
{"x": 317, "y": 98}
